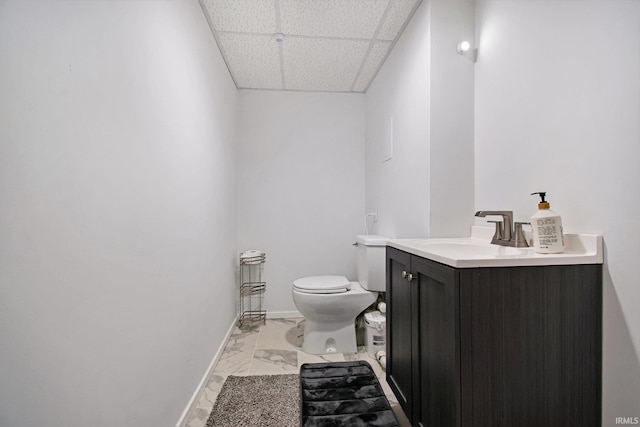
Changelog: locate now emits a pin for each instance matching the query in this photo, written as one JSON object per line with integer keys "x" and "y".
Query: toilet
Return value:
{"x": 330, "y": 304}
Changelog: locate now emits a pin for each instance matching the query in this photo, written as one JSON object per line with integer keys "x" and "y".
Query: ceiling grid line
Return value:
{"x": 283, "y": 79}
{"x": 207, "y": 16}
{"x": 296, "y": 36}
{"x": 328, "y": 45}
{"x": 371, "y": 42}
{"x": 393, "y": 42}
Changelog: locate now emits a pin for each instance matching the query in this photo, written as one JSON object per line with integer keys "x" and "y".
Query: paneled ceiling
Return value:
{"x": 310, "y": 45}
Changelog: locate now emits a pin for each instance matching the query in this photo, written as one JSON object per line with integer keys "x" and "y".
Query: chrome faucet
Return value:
{"x": 505, "y": 235}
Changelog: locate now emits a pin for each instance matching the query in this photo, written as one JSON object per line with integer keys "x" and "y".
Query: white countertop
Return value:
{"x": 477, "y": 251}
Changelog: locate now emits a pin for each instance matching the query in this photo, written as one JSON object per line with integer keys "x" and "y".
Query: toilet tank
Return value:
{"x": 370, "y": 262}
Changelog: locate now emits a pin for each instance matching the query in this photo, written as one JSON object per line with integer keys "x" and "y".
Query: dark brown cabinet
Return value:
{"x": 499, "y": 346}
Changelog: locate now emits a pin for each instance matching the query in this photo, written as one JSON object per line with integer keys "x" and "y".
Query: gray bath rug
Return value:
{"x": 257, "y": 401}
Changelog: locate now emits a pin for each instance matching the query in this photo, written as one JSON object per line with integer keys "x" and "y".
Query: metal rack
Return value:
{"x": 252, "y": 289}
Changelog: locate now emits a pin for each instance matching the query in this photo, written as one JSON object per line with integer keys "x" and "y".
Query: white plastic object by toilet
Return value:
{"x": 375, "y": 332}
{"x": 330, "y": 304}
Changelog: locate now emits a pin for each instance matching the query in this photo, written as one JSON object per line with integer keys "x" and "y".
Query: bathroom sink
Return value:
{"x": 468, "y": 249}
{"x": 462, "y": 252}
{"x": 477, "y": 251}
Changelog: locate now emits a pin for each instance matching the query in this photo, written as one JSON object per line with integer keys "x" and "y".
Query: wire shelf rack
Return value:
{"x": 252, "y": 289}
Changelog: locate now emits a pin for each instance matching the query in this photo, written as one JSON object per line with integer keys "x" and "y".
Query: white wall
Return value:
{"x": 400, "y": 188}
{"x": 451, "y": 97}
{"x": 300, "y": 185}
{"x": 117, "y": 210}
{"x": 558, "y": 110}
{"x": 426, "y": 89}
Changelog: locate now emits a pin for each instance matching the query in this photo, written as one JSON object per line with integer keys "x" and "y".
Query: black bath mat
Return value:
{"x": 342, "y": 394}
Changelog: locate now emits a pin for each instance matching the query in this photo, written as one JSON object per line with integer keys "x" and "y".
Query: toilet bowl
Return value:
{"x": 330, "y": 304}
{"x": 330, "y": 313}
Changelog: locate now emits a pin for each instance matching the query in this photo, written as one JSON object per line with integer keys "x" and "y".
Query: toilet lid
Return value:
{"x": 322, "y": 284}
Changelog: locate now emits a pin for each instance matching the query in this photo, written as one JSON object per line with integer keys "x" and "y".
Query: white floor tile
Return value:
{"x": 270, "y": 349}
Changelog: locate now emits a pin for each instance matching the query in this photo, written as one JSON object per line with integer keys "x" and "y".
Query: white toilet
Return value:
{"x": 330, "y": 304}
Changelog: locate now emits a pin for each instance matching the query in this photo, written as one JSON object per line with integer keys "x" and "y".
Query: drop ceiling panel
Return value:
{"x": 332, "y": 18}
{"x": 399, "y": 13}
{"x": 322, "y": 64}
{"x": 254, "y": 61}
{"x": 376, "y": 56}
{"x": 243, "y": 16}
{"x": 329, "y": 45}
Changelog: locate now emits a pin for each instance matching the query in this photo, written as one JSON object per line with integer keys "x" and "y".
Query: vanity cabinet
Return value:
{"x": 494, "y": 346}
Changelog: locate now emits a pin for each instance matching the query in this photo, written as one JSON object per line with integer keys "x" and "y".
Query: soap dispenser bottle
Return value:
{"x": 547, "y": 228}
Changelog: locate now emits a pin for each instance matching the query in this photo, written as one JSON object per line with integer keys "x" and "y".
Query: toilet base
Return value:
{"x": 329, "y": 338}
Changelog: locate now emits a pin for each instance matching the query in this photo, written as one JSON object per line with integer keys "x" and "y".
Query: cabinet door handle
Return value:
{"x": 404, "y": 274}
{"x": 409, "y": 277}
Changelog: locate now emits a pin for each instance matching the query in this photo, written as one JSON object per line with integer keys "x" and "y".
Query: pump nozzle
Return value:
{"x": 543, "y": 204}
{"x": 542, "y": 194}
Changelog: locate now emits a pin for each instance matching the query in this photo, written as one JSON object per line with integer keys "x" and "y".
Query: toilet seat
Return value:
{"x": 322, "y": 285}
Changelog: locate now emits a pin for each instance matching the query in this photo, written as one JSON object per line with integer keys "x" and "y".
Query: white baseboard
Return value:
{"x": 184, "y": 418}
{"x": 205, "y": 379}
{"x": 283, "y": 314}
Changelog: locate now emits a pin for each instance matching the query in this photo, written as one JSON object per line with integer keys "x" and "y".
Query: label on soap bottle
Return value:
{"x": 547, "y": 234}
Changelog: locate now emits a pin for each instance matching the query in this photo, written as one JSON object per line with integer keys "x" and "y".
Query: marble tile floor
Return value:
{"x": 270, "y": 349}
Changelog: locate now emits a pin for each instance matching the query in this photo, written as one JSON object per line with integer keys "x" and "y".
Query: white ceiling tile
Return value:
{"x": 399, "y": 12}
{"x": 372, "y": 64}
{"x": 332, "y": 18}
{"x": 326, "y": 41}
{"x": 254, "y": 60}
{"x": 245, "y": 16}
{"x": 322, "y": 64}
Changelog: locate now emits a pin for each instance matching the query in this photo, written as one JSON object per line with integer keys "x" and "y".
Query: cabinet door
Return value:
{"x": 534, "y": 340}
{"x": 438, "y": 390}
{"x": 400, "y": 330}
